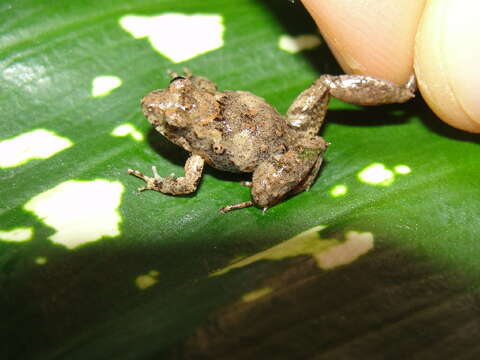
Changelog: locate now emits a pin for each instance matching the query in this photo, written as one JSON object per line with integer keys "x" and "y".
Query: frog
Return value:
{"x": 239, "y": 132}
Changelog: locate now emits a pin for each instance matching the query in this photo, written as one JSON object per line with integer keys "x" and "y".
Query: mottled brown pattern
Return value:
{"x": 237, "y": 131}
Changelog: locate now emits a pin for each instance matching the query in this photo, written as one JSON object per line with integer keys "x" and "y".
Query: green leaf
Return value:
{"x": 92, "y": 269}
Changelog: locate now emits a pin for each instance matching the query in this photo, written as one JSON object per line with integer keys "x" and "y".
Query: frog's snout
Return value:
{"x": 147, "y": 108}
{"x": 149, "y": 101}
{"x": 151, "y": 109}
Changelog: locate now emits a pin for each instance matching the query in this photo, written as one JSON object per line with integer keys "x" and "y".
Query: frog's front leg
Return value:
{"x": 174, "y": 185}
{"x": 309, "y": 108}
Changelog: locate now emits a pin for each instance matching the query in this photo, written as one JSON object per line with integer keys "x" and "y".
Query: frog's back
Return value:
{"x": 252, "y": 130}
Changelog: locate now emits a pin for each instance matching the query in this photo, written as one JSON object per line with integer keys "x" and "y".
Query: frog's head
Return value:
{"x": 180, "y": 106}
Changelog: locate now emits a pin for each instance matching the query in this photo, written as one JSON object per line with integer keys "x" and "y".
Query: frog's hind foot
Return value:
{"x": 241, "y": 205}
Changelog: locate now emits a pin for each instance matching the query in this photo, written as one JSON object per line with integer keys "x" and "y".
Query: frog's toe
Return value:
{"x": 238, "y": 206}
{"x": 151, "y": 183}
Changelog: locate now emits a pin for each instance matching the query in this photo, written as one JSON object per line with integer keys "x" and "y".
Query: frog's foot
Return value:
{"x": 172, "y": 184}
{"x": 241, "y": 205}
{"x": 152, "y": 182}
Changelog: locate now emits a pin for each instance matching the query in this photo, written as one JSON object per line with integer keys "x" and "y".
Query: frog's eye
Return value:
{"x": 177, "y": 78}
{"x": 150, "y": 108}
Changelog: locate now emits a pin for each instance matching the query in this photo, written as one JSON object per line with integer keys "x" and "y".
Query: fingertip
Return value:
{"x": 447, "y": 57}
{"x": 370, "y": 37}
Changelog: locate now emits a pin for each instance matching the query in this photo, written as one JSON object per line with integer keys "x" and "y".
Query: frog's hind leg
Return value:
{"x": 308, "y": 110}
{"x": 284, "y": 175}
{"x": 305, "y": 185}
{"x": 238, "y": 206}
{"x": 367, "y": 90}
{"x": 241, "y": 205}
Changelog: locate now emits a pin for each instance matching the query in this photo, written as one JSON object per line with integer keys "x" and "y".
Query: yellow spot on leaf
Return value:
{"x": 17, "y": 235}
{"x": 356, "y": 244}
{"x": 304, "y": 243}
{"x": 328, "y": 253}
{"x": 127, "y": 129}
{"x": 338, "y": 190}
{"x": 103, "y": 85}
{"x": 40, "y": 260}
{"x": 147, "y": 280}
{"x": 376, "y": 174}
{"x": 402, "y": 169}
{"x": 256, "y": 294}
{"x": 36, "y": 144}
{"x": 179, "y": 37}
{"x": 294, "y": 44}
{"x": 79, "y": 211}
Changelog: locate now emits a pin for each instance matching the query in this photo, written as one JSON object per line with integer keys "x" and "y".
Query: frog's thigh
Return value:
{"x": 310, "y": 178}
{"x": 273, "y": 180}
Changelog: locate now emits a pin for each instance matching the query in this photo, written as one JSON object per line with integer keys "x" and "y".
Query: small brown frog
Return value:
{"x": 238, "y": 131}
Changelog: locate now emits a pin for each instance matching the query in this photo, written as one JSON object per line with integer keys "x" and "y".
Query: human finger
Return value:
{"x": 370, "y": 37}
{"x": 447, "y": 58}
